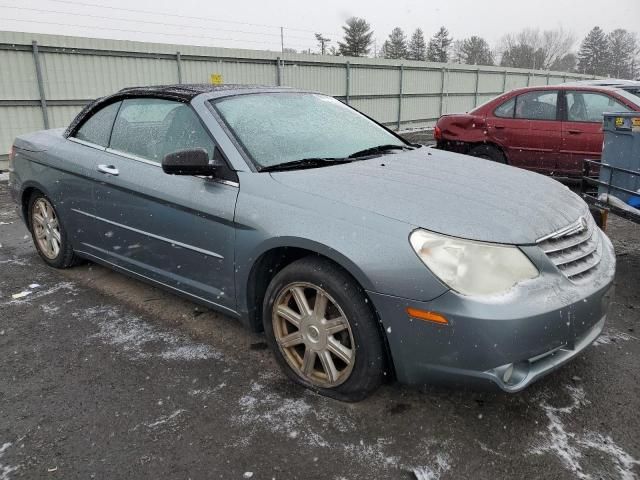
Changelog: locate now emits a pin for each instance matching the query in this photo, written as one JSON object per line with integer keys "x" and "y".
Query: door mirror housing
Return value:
{"x": 193, "y": 161}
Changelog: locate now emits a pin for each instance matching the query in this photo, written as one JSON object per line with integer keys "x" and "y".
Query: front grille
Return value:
{"x": 576, "y": 249}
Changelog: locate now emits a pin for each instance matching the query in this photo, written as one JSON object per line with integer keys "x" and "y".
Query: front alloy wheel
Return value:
{"x": 314, "y": 335}
{"x": 323, "y": 331}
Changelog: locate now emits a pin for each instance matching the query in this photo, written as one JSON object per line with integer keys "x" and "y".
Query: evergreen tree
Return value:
{"x": 357, "y": 38}
{"x": 396, "y": 45}
{"x": 623, "y": 46}
{"x": 476, "y": 51}
{"x": 593, "y": 57}
{"x": 439, "y": 45}
{"x": 417, "y": 46}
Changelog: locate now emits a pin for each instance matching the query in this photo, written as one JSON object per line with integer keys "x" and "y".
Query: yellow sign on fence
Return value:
{"x": 216, "y": 79}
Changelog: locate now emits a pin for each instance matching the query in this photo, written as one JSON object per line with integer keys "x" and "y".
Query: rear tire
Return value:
{"x": 488, "y": 152}
{"x": 48, "y": 233}
{"x": 333, "y": 345}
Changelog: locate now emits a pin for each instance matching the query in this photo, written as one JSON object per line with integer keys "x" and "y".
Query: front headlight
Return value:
{"x": 470, "y": 267}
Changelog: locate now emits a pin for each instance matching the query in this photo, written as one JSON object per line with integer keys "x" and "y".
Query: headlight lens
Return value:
{"x": 470, "y": 267}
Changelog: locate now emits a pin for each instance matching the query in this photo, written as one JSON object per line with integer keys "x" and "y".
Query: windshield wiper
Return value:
{"x": 379, "y": 149}
{"x": 305, "y": 163}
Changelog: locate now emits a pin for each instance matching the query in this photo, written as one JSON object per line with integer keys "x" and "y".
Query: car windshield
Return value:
{"x": 276, "y": 128}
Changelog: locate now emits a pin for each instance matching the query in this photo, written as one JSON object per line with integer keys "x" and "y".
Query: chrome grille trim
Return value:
{"x": 575, "y": 250}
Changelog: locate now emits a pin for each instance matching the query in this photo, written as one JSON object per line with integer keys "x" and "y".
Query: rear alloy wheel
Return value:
{"x": 322, "y": 330}
{"x": 488, "y": 152}
{"x": 48, "y": 233}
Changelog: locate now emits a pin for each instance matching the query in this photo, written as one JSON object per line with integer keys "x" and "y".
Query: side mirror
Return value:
{"x": 189, "y": 162}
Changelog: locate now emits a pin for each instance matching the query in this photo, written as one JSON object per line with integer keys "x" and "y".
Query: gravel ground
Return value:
{"x": 105, "y": 377}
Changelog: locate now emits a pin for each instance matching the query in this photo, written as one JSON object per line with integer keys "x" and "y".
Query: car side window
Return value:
{"x": 591, "y": 106}
{"x": 507, "y": 109}
{"x": 97, "y": 128}
{"x": 541, "y": 105}
{"x": 150, "y": 128}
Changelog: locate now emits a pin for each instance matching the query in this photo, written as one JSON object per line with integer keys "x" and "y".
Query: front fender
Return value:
{"x": 373, "y": 248}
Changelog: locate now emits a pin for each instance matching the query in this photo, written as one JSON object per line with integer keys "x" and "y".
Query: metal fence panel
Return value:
{"x": 458, "y": 103}
{"x": 17, "y": 76}
{"x": 385, "y": 110}
{"x": 461, "y": 82}
{"x": 422, "y": 109}
{"x": 422, "y": 81}
{"x": 70, "y": 76}
{"x": 199, "y": 71}
{"x": 375, "y": 81}
{"x": 62, "y": 116}
{"x": 490, "y": 82}
{"x": 15, "y": 121}
{"x": 320, "y": 78}
{"x": 518, "y": 80}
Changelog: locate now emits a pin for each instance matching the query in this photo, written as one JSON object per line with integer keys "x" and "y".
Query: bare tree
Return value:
{"x": 531, "y": 48}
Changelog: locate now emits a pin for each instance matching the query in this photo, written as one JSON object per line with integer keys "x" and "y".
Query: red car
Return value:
{"x": 549, "y": 129}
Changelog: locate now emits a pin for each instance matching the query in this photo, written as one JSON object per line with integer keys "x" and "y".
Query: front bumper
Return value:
{"x": 535, "y": 328}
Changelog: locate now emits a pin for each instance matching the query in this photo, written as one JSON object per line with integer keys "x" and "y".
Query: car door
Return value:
{"x": 527, "y": 127}
{"x": 176, "y": 230}
{"x": 582, "y": 134}
{"x": 80, "y": 154}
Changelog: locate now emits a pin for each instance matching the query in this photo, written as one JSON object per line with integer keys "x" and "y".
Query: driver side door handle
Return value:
{"x": 108, "y": 169}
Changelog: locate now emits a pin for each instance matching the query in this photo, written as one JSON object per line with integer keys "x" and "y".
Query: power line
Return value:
{"x": 150, "y": 12}
{"x": 141, "y": 31}
{"x": 146, "y": 21}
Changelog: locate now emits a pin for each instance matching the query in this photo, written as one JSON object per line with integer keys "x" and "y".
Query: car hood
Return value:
{"x": 448, "y": 193}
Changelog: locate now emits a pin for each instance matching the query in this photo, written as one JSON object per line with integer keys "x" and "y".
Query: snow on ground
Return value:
{"x": 26, "y": 295}
{"x": 613, "y": 336}
{"x": 570, "y": 447}
{"x": 435, "y": 471}
{"x": 165, "y": 419}
{"x": 5, "y": 470}
{"x": 141, "y": 340}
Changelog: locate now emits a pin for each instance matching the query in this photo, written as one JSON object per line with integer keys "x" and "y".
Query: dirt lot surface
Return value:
{"x": 104, "y": 377}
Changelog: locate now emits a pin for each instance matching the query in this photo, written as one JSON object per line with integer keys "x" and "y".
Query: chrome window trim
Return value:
{"x": 130, "y": 156}
{"x": 152, "y": 235}
{"x": 87, "y": 144}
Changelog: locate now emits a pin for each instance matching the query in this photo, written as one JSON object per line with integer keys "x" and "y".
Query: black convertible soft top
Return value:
{"x": 181, "y": 93}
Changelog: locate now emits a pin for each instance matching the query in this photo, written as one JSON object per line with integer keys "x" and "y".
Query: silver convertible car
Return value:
{"x": 361, "y": 256}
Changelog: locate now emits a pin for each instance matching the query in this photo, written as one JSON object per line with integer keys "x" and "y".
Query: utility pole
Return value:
{"x": 323, "y": 41}
{"x": 282, "y": 39}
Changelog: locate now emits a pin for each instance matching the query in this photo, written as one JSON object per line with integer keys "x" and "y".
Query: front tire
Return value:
{"x": 323, "y": 331}
{"x": 48, "y": 233}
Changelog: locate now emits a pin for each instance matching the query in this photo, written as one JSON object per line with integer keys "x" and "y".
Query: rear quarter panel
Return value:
{"x": 61, "y": 169}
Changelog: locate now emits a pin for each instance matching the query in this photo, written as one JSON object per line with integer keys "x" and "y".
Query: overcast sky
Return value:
{"x": 254, "y": 24}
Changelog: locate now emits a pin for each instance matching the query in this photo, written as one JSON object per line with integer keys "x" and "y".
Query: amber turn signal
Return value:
{"x": 427, "y": 316}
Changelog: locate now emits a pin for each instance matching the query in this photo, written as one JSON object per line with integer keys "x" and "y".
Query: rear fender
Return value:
{"x": 463, "y": 128}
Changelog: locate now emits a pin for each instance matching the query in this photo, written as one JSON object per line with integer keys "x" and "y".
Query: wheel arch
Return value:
{"x": 490, "y": 143}
{"x": 276, "y": 256}
{"x": 272, "y": 257}
{"x": 28, "y": 189}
